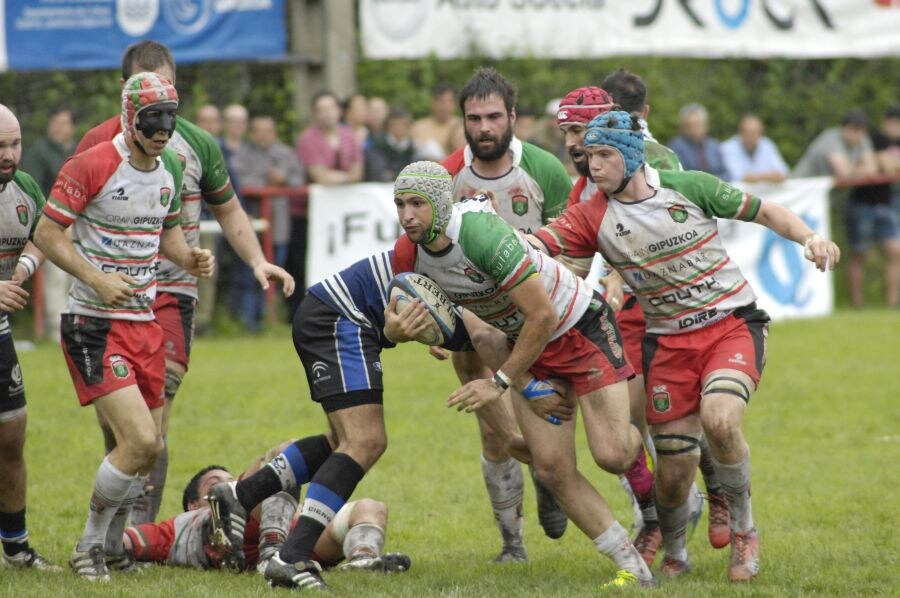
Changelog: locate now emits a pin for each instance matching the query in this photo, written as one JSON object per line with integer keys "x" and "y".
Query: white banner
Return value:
{"x": 346, "y": 224}
{"x": 349, "y": 223}
{"x": 602, "y": 28}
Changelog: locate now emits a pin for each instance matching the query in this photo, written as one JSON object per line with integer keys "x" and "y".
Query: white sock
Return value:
{"x": 505, "y": 487}
{"x": 735, "y": 482}
{"x": 615, "y": 544}
{"x": 111, "y": 487}
{"x": 120, "y": 519}
{"x": 673, "y": 523}
{"x": 276, "y": 514}
{"x": 363, "y": 538}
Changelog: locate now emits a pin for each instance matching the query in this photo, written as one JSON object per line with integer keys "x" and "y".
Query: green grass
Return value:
{"x": 824, "y": 430}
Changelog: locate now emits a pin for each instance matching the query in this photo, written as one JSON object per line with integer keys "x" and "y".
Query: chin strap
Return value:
{"x": 624, "y": 184}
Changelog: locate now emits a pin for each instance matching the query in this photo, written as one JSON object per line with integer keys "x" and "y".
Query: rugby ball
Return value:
{"x": 409, "y": 286}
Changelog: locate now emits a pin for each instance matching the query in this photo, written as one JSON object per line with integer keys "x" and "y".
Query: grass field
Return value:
{"x": 824, "y": 430}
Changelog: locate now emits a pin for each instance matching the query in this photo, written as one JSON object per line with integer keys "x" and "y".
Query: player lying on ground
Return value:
{"x": 192, "y": 539}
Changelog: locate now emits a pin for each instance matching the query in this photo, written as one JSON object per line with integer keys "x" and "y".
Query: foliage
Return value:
{"x": 824, "y": 524}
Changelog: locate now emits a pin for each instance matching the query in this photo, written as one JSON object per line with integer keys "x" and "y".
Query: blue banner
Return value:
{"x": 87, "y": 34}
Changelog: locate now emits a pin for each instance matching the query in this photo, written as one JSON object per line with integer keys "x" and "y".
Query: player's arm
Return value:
{"x": 113, "y": 288}
{"x": 196, "y": 261}
{"x": 541, "y": 320}
{"x": 30, "y": 260}
{"x": 240, "y": 235}
{"x": 789, "y": 225}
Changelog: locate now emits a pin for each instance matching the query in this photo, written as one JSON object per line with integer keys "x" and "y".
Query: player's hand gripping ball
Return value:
{"x": 409, "y": 286}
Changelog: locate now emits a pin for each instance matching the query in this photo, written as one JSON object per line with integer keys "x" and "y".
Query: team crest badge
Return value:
{"x": 678, "y": 213}
{"x": 661, "y": 399}
{"x": 473, "y": 274}
{"x": 119, "y": 366}
{"x": 165, "y": 194}
{"x": 519, "y": 205}
{"x": 22, "y": 213}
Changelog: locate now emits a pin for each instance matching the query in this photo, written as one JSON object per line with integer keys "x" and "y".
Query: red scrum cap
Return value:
{"x": 583, "y": 104}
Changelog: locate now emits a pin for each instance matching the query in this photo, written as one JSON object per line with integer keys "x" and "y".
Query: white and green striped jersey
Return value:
{"x": 667, "y": 247}
{"x": 117, "y": 214}
{"x": 21, "y": 202}
{"x": 486, "y": 258}
{"x": 205, "y": 179}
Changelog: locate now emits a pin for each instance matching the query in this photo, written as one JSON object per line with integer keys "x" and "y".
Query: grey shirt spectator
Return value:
{"x": 267, "y": 161}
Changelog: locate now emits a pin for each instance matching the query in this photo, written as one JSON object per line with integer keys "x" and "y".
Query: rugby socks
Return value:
{"x": 146, "y": 507}
{"x": 111, "y": 488}
{"x": 615, "y": 544}
{"x": 673, "y": 522}
{"x": 364, "y": 539}
{"x": 735, "y": 480}
{"x": 707, "y": 468}
{"x": 505, "y": 487}
{"x": 328, "y": 491}
{"x": 276, "y": 515}
{"x": 295, "y": 466}
{"x": 113, "y": 544}
{"x": 13, "y": 532}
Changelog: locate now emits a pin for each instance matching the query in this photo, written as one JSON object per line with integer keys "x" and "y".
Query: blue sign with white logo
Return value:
{"x": 49, "y": 34}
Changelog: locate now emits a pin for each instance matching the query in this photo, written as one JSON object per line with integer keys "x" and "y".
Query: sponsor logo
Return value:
{"x": 685, "y": 293}
{"x": 187, "y": 17}
{"x": 130, "y": 270}
{"x": 13, "y": 241}
{"x": 165, "y": 195}
{"x": 696, "y": 319}
{"x": 119, "y": 195}
{"x": 562, "y": 115}
{"x": 614, "y": 344}
{"x": 396, "y": 19}
{"x": 519, "y": 205}
{"x": 672, "y": 241}
{"x": 118, "y": 366}
{"x": 22, "y": 213}
{"x": 662, "y": 402}
{"x": 678, "y": 213}
{"x": 136, "y": 17}
{"x": 376, "y": 365}
{"x": 738, "y": 358}
{"x": 15, "y": 376}
{"x": 473, "y": 274}
{"x": 128, "y": 243}
{"x": 320, "y": 372}
{"x": 621, "y": 231}
{"x": 135, "y": 220}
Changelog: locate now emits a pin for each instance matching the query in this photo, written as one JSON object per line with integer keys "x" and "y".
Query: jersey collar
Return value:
{"x": 515, "y": 146}
{"x": 652, "y": 176}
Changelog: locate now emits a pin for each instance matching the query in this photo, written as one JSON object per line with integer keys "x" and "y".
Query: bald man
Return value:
{"x": 210, "y": 119}
{"x": 21, "y": 202}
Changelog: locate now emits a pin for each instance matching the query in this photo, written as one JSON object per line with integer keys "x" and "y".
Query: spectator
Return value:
{"x": 234, "y": 131}
{"x": 392, "y": 150}
{"x": 328, "y": 149}
{"x": 264, "y": 161}
{"x": 43, "y": 161}
{"x": 843, "y": 152}
{"x": 432, "y": 132}
{"x": 886, "y": 142}
{"x": 378, "y": 112}
{"x": 695, "y": 148}
{"x": 751, "y": 157}
{"x": 356, "y": 116}
{"x": 209, "y": 119}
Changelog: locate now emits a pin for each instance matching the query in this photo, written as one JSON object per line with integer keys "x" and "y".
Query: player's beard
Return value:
{"x": 501, "y": 146}
{"x": 582, "y": 167}
{"x": 6, "y": 177}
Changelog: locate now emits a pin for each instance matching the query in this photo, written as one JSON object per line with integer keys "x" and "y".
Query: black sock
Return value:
{"x": 13, "y": 532}
{"x": 327, "y": 493}
{"x": 288, "y": 471}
